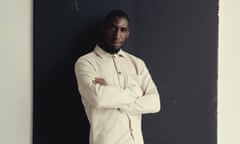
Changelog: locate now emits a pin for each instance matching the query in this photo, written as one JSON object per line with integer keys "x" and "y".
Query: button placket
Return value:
{"x": 118, "y": 70}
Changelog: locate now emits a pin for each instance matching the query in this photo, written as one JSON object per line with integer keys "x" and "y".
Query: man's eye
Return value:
{"x": 123, "y": 29}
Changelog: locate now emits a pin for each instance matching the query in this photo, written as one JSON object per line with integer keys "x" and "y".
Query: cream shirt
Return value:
{"x": 115, "y": 110}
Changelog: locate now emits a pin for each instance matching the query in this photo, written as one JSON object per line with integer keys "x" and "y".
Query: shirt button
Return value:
{"x": 119, "y": 72}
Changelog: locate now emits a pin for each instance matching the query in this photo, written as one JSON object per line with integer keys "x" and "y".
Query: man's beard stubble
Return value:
{"x": 108, "y": 48}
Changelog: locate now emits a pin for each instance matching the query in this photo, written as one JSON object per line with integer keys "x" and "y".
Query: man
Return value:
{"x": 116, "y": 87}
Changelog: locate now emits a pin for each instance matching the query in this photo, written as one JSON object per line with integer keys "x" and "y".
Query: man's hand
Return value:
{"x": 100, "y": 81}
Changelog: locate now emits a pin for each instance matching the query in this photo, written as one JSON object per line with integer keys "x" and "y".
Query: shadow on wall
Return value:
{"x": 84, "y": 44}
{"x": 59, "y": 115}
{"x": 89, "y": 37}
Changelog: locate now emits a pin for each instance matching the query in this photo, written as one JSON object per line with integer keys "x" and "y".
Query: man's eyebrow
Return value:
{"x": 124, "y": 28}
{"x": 121, "y": 27}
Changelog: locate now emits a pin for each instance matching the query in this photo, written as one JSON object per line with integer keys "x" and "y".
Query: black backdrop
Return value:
{"x": 176, "y": 38}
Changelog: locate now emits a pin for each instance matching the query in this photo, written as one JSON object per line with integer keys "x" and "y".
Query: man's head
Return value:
{"x": 116, "y": 29}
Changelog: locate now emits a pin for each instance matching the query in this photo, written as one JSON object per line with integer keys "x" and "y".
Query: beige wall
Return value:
{"x": 229, "y": 73}
{"x": 15, "y": 72}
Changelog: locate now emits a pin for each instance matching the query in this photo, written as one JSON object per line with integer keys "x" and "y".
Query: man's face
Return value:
{"x": 117, "y": 32}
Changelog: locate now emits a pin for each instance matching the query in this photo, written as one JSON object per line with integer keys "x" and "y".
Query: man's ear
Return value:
{"x": 128, "y": 34}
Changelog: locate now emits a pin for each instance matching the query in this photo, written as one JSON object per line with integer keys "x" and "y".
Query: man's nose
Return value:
{"x": 117, "y": 34}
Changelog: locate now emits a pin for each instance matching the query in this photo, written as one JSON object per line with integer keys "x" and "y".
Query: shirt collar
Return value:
{"x": 100, "y": 52}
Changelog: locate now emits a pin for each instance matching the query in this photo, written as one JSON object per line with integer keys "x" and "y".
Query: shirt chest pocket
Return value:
{"x": 133, "y": 80}
{"x": 110, "y": 80}
{"x": 121, "y": 80}
{"x": 117, "y": 80}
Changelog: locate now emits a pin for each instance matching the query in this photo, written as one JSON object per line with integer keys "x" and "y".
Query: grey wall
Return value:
{"x": 176, "y": 39}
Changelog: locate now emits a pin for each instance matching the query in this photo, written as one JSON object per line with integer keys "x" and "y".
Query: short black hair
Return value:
{"x": 116, "y": 13}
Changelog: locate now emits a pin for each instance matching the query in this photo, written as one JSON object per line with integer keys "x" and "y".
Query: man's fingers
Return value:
{"x": 94, "y": 81}
{"x": 100, "y": 81}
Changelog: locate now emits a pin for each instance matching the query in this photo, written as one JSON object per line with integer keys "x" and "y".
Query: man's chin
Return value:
{"x": 117, "y": 46}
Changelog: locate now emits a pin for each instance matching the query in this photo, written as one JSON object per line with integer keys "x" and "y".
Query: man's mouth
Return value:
{"x": 116, "y": 42}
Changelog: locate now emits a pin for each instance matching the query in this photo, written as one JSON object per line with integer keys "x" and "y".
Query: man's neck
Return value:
{"x": 108, "y": 49}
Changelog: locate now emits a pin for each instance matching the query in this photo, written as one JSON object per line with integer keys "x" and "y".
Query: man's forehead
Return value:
{"x": 119, "y": 21}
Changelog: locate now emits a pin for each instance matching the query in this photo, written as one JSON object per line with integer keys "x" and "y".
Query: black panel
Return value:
{"x": 176, "y": 39}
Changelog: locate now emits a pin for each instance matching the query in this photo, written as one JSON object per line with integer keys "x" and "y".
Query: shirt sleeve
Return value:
{"x": 149, "y": 102}
{"x": 102, "y": 96}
